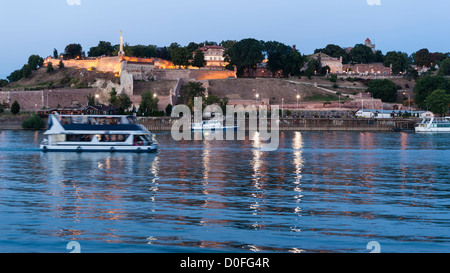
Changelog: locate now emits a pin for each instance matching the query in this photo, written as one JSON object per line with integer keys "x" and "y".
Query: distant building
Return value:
{"x": 369, "y": 44}
{"x": 335, "y": 64}
{"x": 367, "y": 69}
{"x": 214, "y": 55}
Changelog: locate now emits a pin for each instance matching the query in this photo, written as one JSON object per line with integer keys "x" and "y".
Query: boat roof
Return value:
{"x": 389, "y": 111}
{"x": 94, "y": 116}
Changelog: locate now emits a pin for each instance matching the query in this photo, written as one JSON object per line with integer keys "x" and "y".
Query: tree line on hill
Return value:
{"x": 245, "y": 55}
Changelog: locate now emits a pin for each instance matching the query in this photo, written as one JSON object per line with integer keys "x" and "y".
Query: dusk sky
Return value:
{"x": 36, "y": 27}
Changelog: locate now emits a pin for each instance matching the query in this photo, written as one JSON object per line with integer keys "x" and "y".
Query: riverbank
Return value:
{"x": 285, "y": 124}
{"x": 8, "y": 122}
{"x": 306, "y": 124}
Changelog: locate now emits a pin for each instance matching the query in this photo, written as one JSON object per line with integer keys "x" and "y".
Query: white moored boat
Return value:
{"x": 211, "y": 125}
{"x": 433, "y": 124}
{"x": 94, "y": 133}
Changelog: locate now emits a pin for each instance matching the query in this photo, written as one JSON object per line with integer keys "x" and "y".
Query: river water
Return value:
{"x": 318, "y": 192}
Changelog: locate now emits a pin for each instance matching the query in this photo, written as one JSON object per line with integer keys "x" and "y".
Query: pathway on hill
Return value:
{"x": 325, "y": 89}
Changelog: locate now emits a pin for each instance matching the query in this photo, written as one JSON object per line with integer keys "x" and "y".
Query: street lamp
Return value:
{"x": 298, "y": 97}
{"x": 256, "y": 99}
{"x": 371, "y": 95}
{"x": 409, "y": 100}
{"x": 282, "y": 107}
{"x": 47, "y": 98}
{"x": 339, "y": 94}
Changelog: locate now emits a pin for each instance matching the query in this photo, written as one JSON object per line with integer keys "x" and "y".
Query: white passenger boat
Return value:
{"x": 89, "y": 133}
{"x": 433, "y": 124}
{"x": 211, "y": 125}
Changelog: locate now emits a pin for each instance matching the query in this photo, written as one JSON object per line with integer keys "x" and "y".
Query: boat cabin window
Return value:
{"x": 112, "y": 138}
{"x": 141, "y": 140}
{"x": 97, "y": 120}
{"x": 78, "y": 138}
{"x": 131, "y": 119}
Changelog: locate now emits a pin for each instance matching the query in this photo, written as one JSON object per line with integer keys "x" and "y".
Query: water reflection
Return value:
{"x": 231, "y": 196}
{"x": 206, "y": 168}
{"x": 109, "y": 182}
{"x": 258, "y": 192}
{"x": 297, "y": 145}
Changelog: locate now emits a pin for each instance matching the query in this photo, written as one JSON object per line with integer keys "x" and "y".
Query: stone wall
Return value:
{"x": 35, "y": 100}
{"x": 194, "y": 74}
{"x": 105, "y": 64}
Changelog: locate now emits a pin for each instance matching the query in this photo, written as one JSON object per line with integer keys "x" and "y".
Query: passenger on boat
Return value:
{"x": 137, "y": 141}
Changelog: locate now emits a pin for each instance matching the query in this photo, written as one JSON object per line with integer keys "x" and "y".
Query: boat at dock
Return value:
{"x": 97, "y": 133}
{"x": 211, "y": 125}
{"x": 433, "y": 124}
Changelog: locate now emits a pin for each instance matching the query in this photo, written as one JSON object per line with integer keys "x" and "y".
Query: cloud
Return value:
{"x": 73, "y": 2}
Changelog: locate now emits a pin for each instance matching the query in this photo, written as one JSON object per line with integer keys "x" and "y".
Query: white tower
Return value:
{"x": 121, "y": 52}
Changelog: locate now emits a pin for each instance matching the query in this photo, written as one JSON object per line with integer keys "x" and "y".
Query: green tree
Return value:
{"x": 399, "y": 61}
{"x": 361, "y": 54}
{"x": 113, "y": 97}
{"x": 163, "y": 53}
{"x": 103, "y": 48}
{"x": 26, "y": 71}
{"x": 422, "y": 58}
{"x": 199, "y": 59}
{"x": 192, "y": 90}
{"x": 3, "y": 83}
{"x": 15, "y": 107}
{"x": 143, "y": 51}
{"x": 426, "y": 85}
{"x": 50, "y": 67}
{"x": 73, "y": 51}
{"x": 124, "y": 101}
{"x": 121, "y": 100}
{"x": 149, "y": 103}
{"x": 283, "y": 58}
{"x": 278, "y": 55}
{"x": 313, "y": 67}
{"x": 16, "y": 75}
{"x": 33, "y": 122}
{"x": 296, "y": 62}
{"x": 245, "y": 55}
{"x": 192, "y": 46}
{"x": 385, "y": 90}
{"x": 35, "y": 61}
{"x": 55, "y": 53}
{"x": 181, "y": 56}
{"x": 61, "y": 64}
{"x": 213, "y": 99}
{"x": 90, "y": 100}
{"x": 168, "y": 109}
{"x": 444, "y": 69}
{"x": 438, "y": 101}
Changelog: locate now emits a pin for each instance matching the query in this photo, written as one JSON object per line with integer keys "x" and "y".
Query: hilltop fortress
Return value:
{"x": 97, "y": 76}
{"x": 132, "y": 69}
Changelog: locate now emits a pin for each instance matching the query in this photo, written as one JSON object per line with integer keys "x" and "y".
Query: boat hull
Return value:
{"x": 98, "y": 148}
{"x": 214, "y": 129}
{"x": 432, "y": 130}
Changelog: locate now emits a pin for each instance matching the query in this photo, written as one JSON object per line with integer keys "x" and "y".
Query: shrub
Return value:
{"x": 49, "y": 68}
{"x": 33, "y": 122}
{"x": 15, "y": 107}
